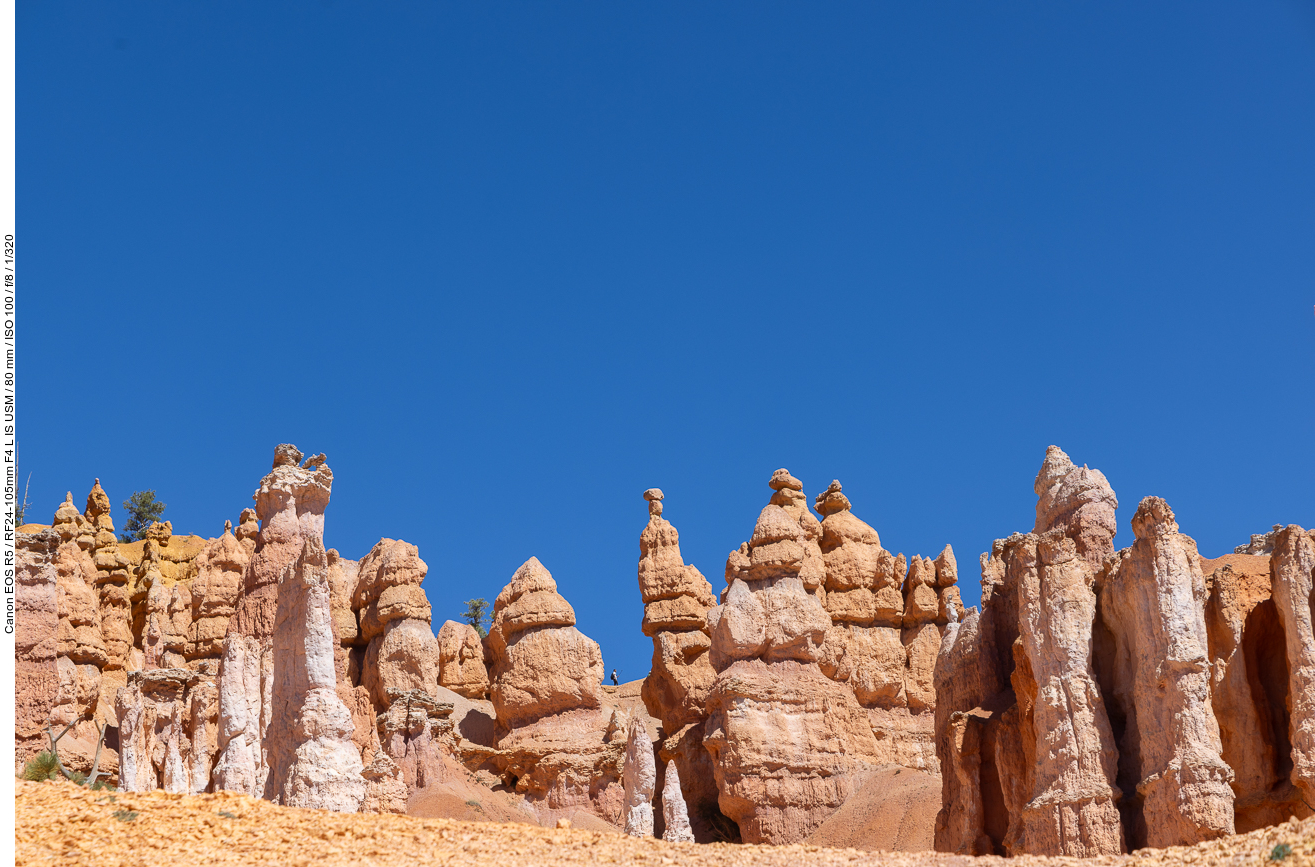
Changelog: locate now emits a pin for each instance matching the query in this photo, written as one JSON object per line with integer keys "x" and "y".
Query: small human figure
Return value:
{"x": 615, "y": 682}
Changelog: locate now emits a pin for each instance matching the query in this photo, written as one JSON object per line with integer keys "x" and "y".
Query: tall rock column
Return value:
{"x": 677, "y": 599}
{"x": 1293, "y": 572}
{"x": 290, "y": 504}
{"x": 1153, "y": 603}
{"x": 402, "y": 653}
{"x": 1072, "y": 808}
{"x": 556, "y": 744}
{"x": 787, "y": 742}
{"x": 312, "y": 759}
{"x": 36, "y": 645}
{"x": 1026, "y": 745}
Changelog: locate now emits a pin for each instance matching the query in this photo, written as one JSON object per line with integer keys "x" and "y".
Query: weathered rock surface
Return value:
{"x": 312, "y": 759}
{"x": 1105, "y": 701}
{"x": 461, "y": 660}
{"x": 167, "y": 720}
{"x": 402, "y": 653}
{"x": 1153, "y": 603}
{"x": 1293, "y": 572}
{"x": 639, "y": 781}
{"x": 290, "y": 503}
{"x": 36, "y": 643}
{"x": 557, "y": 745}
{"x": 1249, "y": 688}
{"x": 1072, "y": 804}
{"x": 886, "y": 627}
{"x": 787, "y": 743}
{"x": 677, "y": 599}
{"x": 675, "y": 816}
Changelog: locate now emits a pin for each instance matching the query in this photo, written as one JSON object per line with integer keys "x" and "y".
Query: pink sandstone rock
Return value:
{"x": 639, "y": 780}
{"x": 1293, "y": 571}
{"x": 787, "y": 743}
{"x": 1153, "y": 603}
{"x": 674, "y": 814}
{"x": 166, "y": 719}
{"x": 1078, "y": 501}
{"x": 1249, "y": 688}
{"x": 1072, "y": 807}
{"x": 290, "y": 503}
{"x": 461, "y": 660}
{"x": 555, "y": 743}
{"x": 312, "y": 759}
{"x": 677, "y": 599}
{"x": 36, "y": 645}
{"x": 394, "y": 618}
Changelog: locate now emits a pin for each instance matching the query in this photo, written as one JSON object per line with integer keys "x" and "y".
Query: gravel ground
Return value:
{"x": 60, "y": 823}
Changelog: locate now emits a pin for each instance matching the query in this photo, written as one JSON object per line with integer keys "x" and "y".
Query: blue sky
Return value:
{"x": 510, "y": 264}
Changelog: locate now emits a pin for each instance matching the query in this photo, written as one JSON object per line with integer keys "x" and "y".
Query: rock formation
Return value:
{"x": 36, "y": 643}
{"x": 410, "y": 731}
{"x": 1249, "y": 688}
{"x": 1293, "y": 572}
{"x": 639, "y": 780}
{"x": 886, "y": 626}
{"x": 394, "y": 619}
{"x": 1153, "y": 603}
{"x": 312, "y": 759}
{"x": 461, "y": 660}
{"x": 1104, "y": 701}
{"x": 213, "y": 594}
{"x": 290, "y": 504}
{"x": 787, "y": 742}
{"x": 556, "y": 744}
{"x": 677, "y": 599}
{"x": 674, "y": 814}
{"x": 167, "y": 725}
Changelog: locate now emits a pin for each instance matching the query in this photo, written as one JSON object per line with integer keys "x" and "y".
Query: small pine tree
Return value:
{"x": 143, "y": 510}
{"x": 42, "y": 766}
{"x": 477, "y": 615}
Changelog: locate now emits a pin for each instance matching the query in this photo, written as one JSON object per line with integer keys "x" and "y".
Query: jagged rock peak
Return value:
{"x": 1077, "y": 500}
{"x": 831, "y": 500}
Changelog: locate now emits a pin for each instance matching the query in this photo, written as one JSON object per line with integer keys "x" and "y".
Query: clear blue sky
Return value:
{"x": 511, "y": 264}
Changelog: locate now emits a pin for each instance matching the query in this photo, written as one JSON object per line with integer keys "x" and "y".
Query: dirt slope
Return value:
{"x": 59, "y": 823}
{"x": 893, "y": 811}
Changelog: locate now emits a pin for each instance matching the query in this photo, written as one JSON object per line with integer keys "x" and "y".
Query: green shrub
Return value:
{"x": 43, "y": 766}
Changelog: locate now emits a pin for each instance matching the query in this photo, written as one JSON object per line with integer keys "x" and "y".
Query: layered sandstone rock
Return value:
{"x": 1028, "y": 753}
{"x": 639, "y": 781}
{"x": 886, "y": 627}
{"x": 290, "y": 503}
{"x": 213, "y": 595}
{"x": 1293, "y": 573}
{"x": 1249, "y": 688}
{"x": 556, "y": 744}
{"x": 787, "y": 742}
{"x": 394, "y": 615}
{"x": 1153, "y": 603}
{"x": 677, "y": 599}
{"x": 1072, "y": 803}
{"x": 1106, "y": 700}
{"x": 36, "y": 643}
{"x": 312, "y": 759}
{"x": 167, "y": 720}
{"x": 461, "y": 660}
{"x": 412, "y": 732}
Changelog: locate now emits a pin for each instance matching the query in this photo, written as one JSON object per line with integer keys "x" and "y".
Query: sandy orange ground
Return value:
{"x": 60, "y": 823}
